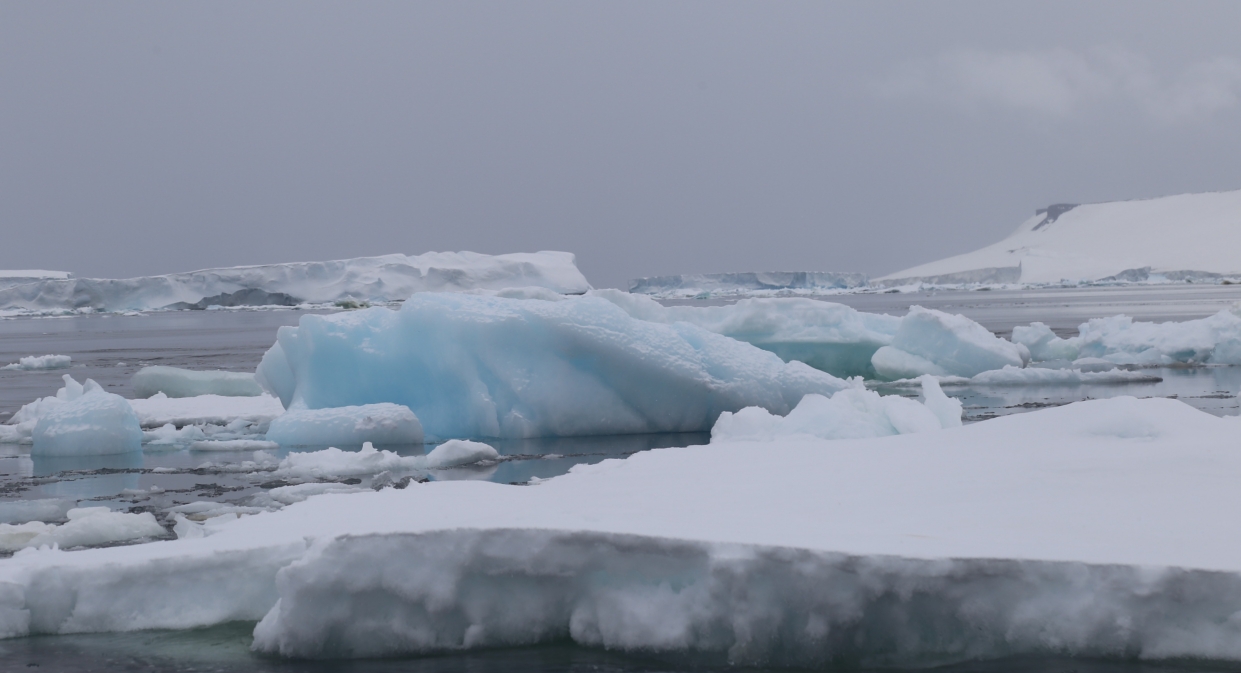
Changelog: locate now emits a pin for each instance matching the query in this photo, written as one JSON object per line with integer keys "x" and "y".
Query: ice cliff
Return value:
{"x": 386, "y": 278}
{"x": 1188, "y": 236}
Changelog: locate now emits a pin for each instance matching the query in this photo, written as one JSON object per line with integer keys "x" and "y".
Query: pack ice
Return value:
{"x": 488, "y": 366}
{"x": 1121, "y": 340}
{"x": 1090, "y": 530}
{"x": 1121, "y": 241}
{"x": 385, "y": 278}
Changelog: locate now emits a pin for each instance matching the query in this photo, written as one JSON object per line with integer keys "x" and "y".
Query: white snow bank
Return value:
{"x": 84, "y": 420}
{"x": 176, "y": 382}
{"x": 40, "y": 363}
{"x": 827, "y": 336}
{"x": 1120, "y": 340}
{"x": 332, "y": 463}
{"x": 941, "y": 344}
{"x": 1090, "y": 529}
{"x": 87, "y": 526}
{"x": 383, "y": 423}
{"x": 1128, "y": 240}
{"x": 159, "y": 410}
{"x": 849, "y": 414}
{"x": 479, "y": 366}
{"x": 386, "y": 278}
{"x": 689, "y": 285}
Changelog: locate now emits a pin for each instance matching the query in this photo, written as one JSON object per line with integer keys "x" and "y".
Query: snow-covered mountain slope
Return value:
{"x": 1188, "y": 236}
{"x": 385, "y": 278}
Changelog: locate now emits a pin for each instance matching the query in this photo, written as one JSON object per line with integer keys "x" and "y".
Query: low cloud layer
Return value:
{"x": 1062, "y": 83}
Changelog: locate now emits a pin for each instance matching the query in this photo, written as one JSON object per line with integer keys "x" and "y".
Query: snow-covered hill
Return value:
{"x": 385, "y": 278}
{"x": 1183, "y": 237}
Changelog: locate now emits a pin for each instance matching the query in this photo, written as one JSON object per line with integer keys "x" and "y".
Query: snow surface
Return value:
{"x": 1172, "y": 237}
{"x": 827, "y": 336}
{"x": 941, "y": 344}
{"x": 333, "y": 463}
{"x": 1121, "y": 340}
{"x": 472, "y": 366}
{"x": 385, "y": 278}
{"x": 176, "y": 382}
{"x": 32, "y": 363}
{"x": 849, "y": 414}
{"x": 84, "y": 420}
{"x": 383, "y": 423}
{"x": 85, "y": 526}
{"x": 1090, "y": 529}
{"x": 159, "y": 410}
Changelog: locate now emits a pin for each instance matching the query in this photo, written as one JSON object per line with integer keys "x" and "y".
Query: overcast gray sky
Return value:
{"x": 648, "y": 138}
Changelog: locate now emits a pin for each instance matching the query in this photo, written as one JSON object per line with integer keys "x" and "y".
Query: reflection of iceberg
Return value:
{"x": 478, "y": 366}
{"x": 386, "y": 278}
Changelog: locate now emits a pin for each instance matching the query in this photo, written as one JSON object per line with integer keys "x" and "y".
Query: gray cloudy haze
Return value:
{"x": 648, "y": 138}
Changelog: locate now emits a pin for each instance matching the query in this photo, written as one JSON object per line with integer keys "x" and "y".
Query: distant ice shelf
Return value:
{"x": 11, "y": 277}
{"x": 386, "y": 278}
{"x": 690, "y": 285}
{"x": 1173, "y": 238}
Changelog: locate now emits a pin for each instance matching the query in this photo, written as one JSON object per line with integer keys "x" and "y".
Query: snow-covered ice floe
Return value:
{"x": 332, "y": 463}
{"x": 32, "y": 363}
{"x": 159, "y": 410}
{"x": 385, "y": 278}
{"x": 472, "y": 366}
{"x": 1090, "y": 529}
{"x": 383, "y": 423}
{"x": 1121, "y": 340}
{"x": 1122, "y": 241}
{"x": 86, "y": 526}
{"x": 849, "y": 414}
{"x": 177, "y": 382}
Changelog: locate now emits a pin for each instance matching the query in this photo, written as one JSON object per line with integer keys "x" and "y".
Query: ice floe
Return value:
{"x": 86, "y": 526}
{"x": 32, "y": 363}
{"x": 1089, "y": 529}
{"x": 382, "y": 423}
{"x": 82, "y": 420}
{"x": 159, "y": 410}
{"x": 1038, "y": 376}
{"x": 176, "y": 382}
{"x": 473, "y": 366}
{"x": 1121, "y": 340}
{"x": 933, "y": 342}
{"x": 385, "y": 278}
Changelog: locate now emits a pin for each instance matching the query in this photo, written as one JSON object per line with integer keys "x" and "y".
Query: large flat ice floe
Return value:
{"x": 1188, "y": 236}
{"x": 1091, "y": 529}
{"x": 386, "y": 278}
{"x": 472, "y": 366}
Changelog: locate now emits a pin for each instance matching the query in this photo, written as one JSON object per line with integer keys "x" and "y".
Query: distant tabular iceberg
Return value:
{"x": 1173, "y": 238}
{"x": 746, "y": 283}
{"x": 385, "y": 278}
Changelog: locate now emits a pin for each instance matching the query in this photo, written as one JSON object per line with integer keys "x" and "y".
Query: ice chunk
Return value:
{"x": 86, "y": 421}
{"x": 459, "y": 452}
{"x": 827, "y": 336}
{"x": 233, "y": 445}
{"x": 382, "y": 423}
{"x": 41, "y": 363}
{"x": 1121, "y": 340}
{"x": 476, "y": 366}
{"x": 175, "y": 382}
{"x": 386, "y": 278}
{"x": 938, "y": 343}
{"x": 22, "y": 511}
{"x": 849, "y": 414}
{"x": 1044, "y": 345}
{"x": 169, "y": 435}
{"x": 159, "y": 410}
{"x": 87, "y": 526}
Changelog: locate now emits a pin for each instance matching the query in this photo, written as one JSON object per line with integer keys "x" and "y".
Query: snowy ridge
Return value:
{"x": 386, "y": 278}
{"x": 1183, "y": 237}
